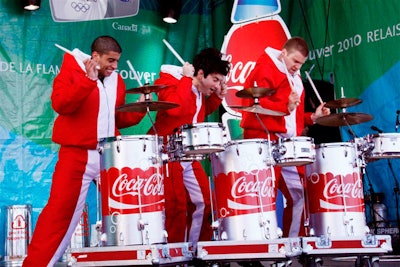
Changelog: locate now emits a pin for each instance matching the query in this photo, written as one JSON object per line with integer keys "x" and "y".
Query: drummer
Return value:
{"x": 85, "y": 94}
{"x": 198, "y": 88}
{"x": 280, "y": 70}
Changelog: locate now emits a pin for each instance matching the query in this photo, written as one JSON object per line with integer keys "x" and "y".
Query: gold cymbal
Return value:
{"x": 343, "y": 119}
{"x": 254, "y": 92}
{"x": 343, "y": 103}
{"x": 145, "y": 89}
{"x": 147, "y": 105}
{"x": 256, "y": 108}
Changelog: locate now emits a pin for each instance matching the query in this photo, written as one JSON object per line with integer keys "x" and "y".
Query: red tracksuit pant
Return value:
{"x": 74, "y": 171}
{"x": 187, "y": 202}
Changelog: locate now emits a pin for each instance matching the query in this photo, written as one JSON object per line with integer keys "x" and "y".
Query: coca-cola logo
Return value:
{"x": 129, "y": 190}
{"x": 125, "y": 185}
{"x": 330, "y": 192}
{"x": 253, "y": 188}
{"x": 334, "y": 189}
{"x": 262, "y": 33}
{"x": 245, "y": 192}
{"x": 240, "y": 70}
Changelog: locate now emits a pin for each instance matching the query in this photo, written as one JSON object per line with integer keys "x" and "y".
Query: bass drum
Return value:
{"x": 334, "y": 191}
{"x": 245, "y": 194}
{"x": 132, "y": 190}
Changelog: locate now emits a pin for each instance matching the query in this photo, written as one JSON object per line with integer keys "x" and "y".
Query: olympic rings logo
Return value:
{"x": 80, "y": 7}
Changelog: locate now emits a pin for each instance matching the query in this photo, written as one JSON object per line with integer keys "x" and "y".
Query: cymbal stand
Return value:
{"x": 348, "y": 124}
{"x": 396, "y": 192}
{"x": 214, "y": 223}
{"x": 157, "y": 145}
{"x": 141, "y": 223}
{"x": 371, "y": 202}
{"x": 262, "y": 220}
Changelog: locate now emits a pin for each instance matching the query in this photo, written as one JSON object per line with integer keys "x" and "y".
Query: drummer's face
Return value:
{"x": 293, "y": 60}
{"x": 108, "y": 62}
{"x": 211, "y": 83}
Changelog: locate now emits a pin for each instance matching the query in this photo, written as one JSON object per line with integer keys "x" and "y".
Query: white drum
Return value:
{"x": 202, "y": 138}
{"x": 132, "y": 190}
{"x": 245, "y": 195}
{"x": 385, "y": 146}
{"x": 295, "y": 151}
{"x": 334, "y": 191}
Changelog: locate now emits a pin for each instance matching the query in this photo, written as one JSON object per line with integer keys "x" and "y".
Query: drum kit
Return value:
{"x": 244, "y": 195}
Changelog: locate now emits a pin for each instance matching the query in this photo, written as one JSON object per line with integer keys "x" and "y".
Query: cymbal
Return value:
{"x": 254, "y": 92}
{"x": 343, "y": 103}
{"x": 343, "y": 119}
{"x": 145, "y": 89}
{"x": 144, "y": 105}
{"x": 258, "y": 109}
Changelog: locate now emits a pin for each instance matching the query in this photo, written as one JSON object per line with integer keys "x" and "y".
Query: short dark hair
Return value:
{"x": 105, "y": 44}
{"x": 210, "y": 61}
{"x": 297, "y": 44}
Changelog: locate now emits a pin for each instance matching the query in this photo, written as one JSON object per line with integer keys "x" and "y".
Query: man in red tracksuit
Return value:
{"x": 198, "y": 89}
{"x": 280, "y": 70}
{"x": 85, "y": 94}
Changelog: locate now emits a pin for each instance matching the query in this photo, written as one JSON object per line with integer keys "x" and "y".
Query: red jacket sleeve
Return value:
{"x": 71, "y": 87}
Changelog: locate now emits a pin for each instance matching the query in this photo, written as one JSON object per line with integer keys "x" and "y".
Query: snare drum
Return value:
{"x": 202, "y": 138}
{"x": 295, "y": 151}
{"x": 245, "y": 191}
{"x": 334, "y": 191}
{"x": 132, "y": 190}
{"x": 385, "y": 146}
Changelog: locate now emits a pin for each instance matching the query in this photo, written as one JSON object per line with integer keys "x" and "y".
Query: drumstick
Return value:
{"x": 134, "y": 73}
{"x": 80, "y": 57}
{"x": 313, "y": 87}
{"x": 174, "y": 52}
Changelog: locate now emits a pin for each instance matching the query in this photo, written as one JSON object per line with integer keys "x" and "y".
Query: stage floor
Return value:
{"x": 384, "y": 261}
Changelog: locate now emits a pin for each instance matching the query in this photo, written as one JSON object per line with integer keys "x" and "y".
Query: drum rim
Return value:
{"x": 335, "y": 144}
{"x": 201, "y": 125}
{"x": 385, "y": 135}
{"x": 130, "y": 137}
{"x": 250, "y": 140}
{"x": 297, "y": 138}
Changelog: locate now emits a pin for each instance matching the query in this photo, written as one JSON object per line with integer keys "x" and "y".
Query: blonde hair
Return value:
{"x": 297, "y": 44}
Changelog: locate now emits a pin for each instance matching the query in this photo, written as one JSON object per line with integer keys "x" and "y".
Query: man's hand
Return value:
{"x": 294, "y": 101}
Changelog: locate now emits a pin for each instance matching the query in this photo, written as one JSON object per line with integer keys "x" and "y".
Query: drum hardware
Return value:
{"x": 278, "y": 151}
{"x": 397, "y": 120}
{"x": 270, "y": 159}
{"x": 214, "y": 223}
{"x": 396, "y": 192}
{"x": 374, "y": 128}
